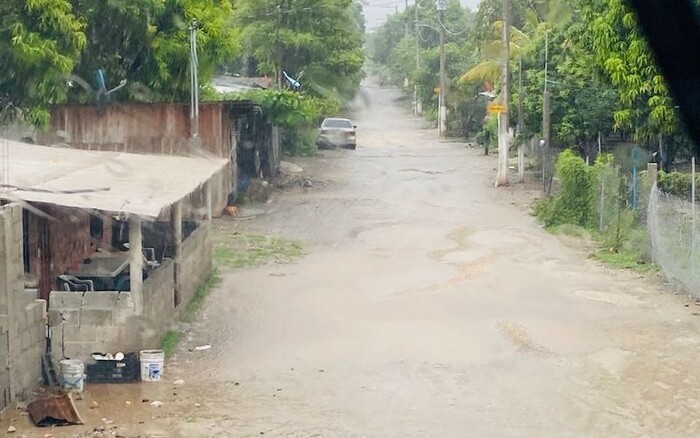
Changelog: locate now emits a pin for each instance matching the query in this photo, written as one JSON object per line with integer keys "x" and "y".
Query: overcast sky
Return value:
{"x": 377, "y": 10}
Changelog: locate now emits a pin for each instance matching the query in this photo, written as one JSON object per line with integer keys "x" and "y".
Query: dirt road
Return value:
{"x": 427, "y": 305}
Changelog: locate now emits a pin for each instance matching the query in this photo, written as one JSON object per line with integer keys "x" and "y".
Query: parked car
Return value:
{"x": 336, "y": 132}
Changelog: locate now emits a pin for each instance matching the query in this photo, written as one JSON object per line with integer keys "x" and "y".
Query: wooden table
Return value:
{"x": 103, "y": 271}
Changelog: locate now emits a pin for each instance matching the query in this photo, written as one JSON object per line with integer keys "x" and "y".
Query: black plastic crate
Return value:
{"x": 114, "y": 371}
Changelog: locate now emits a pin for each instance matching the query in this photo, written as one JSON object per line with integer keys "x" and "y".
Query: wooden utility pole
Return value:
{"x": 503, "y": 118}
{"x": 442, "y": 114}
{"x": 418, "y": 109}
{"x": 546, "y": 124}
{"x": 521, "y": 124}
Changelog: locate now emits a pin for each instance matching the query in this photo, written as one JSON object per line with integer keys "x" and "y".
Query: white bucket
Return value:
{"x": 72, "y": 375}
{"x": 151, "y": 365}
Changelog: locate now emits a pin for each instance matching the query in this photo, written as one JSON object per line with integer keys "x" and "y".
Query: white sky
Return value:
{"x": 376, "y": 11}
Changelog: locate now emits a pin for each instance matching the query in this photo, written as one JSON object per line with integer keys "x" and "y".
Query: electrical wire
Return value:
{"x": 449, "y": 31}
{"x": 425, "y": 40}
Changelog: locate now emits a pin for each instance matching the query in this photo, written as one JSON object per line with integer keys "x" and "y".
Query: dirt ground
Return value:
{"x": 427, "y": 303}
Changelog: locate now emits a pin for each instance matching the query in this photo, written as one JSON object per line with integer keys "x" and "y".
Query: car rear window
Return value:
{"x": 337, "y": 123}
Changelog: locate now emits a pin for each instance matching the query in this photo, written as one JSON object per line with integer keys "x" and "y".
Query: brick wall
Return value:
{"x": 22, "y": 316}
{"x": 69, "y": 240}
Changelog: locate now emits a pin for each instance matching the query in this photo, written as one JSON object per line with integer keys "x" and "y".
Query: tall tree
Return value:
{"x": 40, "y": 41}
{"x": 147, "y": 42}
{"x": 323, "y": 38}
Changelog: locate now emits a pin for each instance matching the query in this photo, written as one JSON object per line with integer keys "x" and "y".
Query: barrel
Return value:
{"x": 72, "y": 375}
{"x": 151, "y": 365}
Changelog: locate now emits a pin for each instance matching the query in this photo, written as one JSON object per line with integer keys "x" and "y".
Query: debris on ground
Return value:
{"x": 157, "y": 403}
{"x": 11, "y": 429}
{"x": 232, "y": 210}
{"x": 259, "y": 190}
{"x": 287, "y": 167}
{"x": 56, "y": 410}
{"x": 201, "y": 348}
{"x": 179, "y": 382}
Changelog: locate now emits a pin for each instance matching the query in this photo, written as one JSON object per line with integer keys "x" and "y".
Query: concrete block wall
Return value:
{"x": 82, "y": 324}
{"x": 22, "y": 315}
{"x": 159, "y": 304}
{"x": 195, "y": 263}
{"x": 29, "y": 345}
{"x": 107, "y": 322}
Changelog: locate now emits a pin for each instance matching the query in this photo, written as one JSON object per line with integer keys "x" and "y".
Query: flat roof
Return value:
{"x": 144, "y": 185}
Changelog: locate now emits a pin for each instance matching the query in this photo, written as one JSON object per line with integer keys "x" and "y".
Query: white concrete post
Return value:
{"x": 136, "y": 262}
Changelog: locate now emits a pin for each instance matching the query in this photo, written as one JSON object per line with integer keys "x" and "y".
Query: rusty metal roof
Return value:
{"x": 139, "y": 184}
{"x": 56, "y": 410}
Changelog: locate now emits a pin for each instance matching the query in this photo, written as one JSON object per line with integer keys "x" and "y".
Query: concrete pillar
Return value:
{"x": 653, "y": 172}
{"x": 176, "y": 224}
{"x": 136, "y": 262}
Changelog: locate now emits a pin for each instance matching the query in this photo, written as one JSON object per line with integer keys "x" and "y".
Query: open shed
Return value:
{"x": 76, "y": 202}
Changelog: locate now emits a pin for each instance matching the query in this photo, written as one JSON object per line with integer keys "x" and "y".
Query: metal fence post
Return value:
{"x": 693, "y": 261}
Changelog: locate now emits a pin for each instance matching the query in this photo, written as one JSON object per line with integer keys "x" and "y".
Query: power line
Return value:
{"x": 449, "y": 31}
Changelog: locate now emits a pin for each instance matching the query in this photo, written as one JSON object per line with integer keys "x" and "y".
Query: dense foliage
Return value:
{"x": 52, "y": 50}
{"x": 601, "y": 74}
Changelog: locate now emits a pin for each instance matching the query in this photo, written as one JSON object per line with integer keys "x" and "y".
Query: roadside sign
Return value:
{"x": 496, "y": 108}
{"x": 436, "y": 90}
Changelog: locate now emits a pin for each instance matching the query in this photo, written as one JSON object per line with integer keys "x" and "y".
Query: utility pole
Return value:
{"x": 442, "y": 114}
{"x": 521, "y": 124}
{"x": 194, "y": 82}
{"x": 546, "y": 122}
{"x": 503, "y": 119}
{"x": 418, "y": 108}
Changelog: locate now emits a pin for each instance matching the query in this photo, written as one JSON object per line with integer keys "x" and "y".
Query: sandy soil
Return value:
{"x": 429, "y": 304}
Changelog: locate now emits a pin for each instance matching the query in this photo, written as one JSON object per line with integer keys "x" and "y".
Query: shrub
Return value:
{"x": 677, "y": 184}
{"x": 573, "y": 204}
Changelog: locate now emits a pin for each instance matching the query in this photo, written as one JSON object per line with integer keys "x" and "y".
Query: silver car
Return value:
{"x": 337, "y": 132}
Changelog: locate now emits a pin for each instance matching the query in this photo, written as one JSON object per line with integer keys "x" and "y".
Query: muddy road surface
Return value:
{"x": 425, "y": 305}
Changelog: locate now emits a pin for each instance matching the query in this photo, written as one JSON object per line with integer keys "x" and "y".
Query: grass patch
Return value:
{"x": 627, "y": 260}
{"x": 571, "y": 231}
{"x": 200, "y": 295}
{"x": 169, "y": 342}
{"x": 243, "y": 250}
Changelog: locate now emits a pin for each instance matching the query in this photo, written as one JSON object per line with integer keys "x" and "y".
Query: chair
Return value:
{"x": 74, "y": 284}
{"x": 149, "y": 255}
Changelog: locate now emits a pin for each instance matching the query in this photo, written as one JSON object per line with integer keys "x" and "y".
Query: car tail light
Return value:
{"x": 350, "y": 134}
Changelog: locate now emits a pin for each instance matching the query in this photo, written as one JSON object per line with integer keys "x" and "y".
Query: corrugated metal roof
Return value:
{"x": 139, "y": 184}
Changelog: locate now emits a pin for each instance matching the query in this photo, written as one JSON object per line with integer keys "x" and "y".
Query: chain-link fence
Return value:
{"x": 673, "y": 230}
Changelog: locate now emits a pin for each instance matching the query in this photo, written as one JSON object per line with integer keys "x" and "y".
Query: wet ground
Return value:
{"x": 426, "y": 305}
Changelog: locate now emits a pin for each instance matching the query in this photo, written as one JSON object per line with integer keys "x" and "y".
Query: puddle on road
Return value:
{"x": 620, "y": 299}
{"x": 518, "y": 335}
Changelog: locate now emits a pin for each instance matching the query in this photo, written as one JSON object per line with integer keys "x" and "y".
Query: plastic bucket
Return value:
{"x": 72, "y": 375}
{"x": 151, "y": 365}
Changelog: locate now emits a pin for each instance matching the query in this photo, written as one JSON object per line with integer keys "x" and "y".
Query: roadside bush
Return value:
{"x": 593, "y": 197}
{"x": 677, "y": 184}
{"x": 573, "y": 204}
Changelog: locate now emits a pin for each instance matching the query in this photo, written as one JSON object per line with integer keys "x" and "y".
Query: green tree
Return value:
{"x": 622, "y": 52}
{"x": 147, "y": 43}
{"x": 40, "y": 41}
{"x": 322, "y": 38}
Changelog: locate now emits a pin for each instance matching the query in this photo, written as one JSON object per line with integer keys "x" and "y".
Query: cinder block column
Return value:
{"x": 136, "y": 262}
{"x": 176, "y": 224}
{"x": 653, "y": 172}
